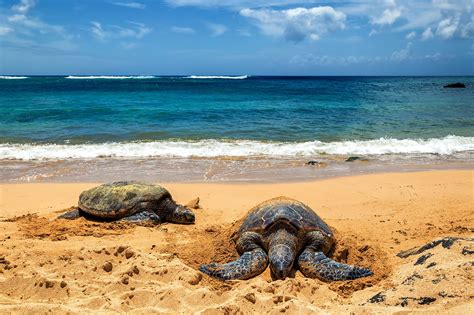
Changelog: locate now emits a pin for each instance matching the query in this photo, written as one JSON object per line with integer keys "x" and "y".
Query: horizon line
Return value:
{"x": 248, "y": 75}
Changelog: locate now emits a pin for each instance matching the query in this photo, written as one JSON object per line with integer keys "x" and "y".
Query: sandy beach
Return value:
{"x": 63, "y": 266}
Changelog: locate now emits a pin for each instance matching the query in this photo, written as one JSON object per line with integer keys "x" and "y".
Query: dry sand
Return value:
{"x": 80, "y": 266}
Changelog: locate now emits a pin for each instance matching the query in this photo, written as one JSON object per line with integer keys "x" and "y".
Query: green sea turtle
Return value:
{"x": 280, "y": 231}
{"x": 130, "y": 201}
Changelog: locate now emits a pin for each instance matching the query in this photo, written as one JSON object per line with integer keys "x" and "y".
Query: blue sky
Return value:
{"x": 275, "y": 37}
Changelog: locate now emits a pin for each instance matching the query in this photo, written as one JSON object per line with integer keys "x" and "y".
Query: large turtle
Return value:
{"x": 280, "y": 231}
{"x": 131, "y": 201}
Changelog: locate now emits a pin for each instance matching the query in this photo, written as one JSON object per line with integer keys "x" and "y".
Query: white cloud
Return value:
{"x": 4, "y": 30}
{"x": 435, "y": 56}
{"x": 182, "y": 30}
{"x": 217, "y": 29}
{"x": 132, "y": 5}
{"x": 411, "y": 35}
{"x": 128, "y": 45}
{"x": 325, "y": 60}
{"x": 447, "y": 27}
{"x": 427, "y": 34}
{"x": 244, "y": 32}
{"x": 373, "y": 32}
{"x": 240, "y": 3}
{"x": 28, "y": 24}
{"x": 137, "y": 30}
{"x": 134, "y": 30}
{"x": 402, "y": 54}
{"x": 388, "y": 17}
{"x": 467, "y": 31}
{"x": 297, "y": 24}
{"x": 97, "y": 30}
{"x": 408, "y": 15}
{"x": 17, "y": 18}
{"x": 30, "y": 33}
{"x": 24, "y": 6}
{"x": 21, "y": 22}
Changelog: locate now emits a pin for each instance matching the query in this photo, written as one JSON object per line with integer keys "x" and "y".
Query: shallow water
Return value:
{"x": 67, "y": 122}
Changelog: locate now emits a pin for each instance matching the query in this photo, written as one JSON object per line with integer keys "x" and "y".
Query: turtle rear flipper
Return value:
{"x": 316, "y": 265}
{"x": 250, "y": 264}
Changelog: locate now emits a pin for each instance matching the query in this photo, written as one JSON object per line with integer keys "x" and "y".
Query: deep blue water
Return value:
{"x": 56, "y": 109}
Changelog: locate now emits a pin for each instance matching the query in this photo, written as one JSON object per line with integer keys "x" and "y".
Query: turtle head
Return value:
{"x": 282, "y": 253}
{"x": 181, "y": 215}
{"x": 175, "y": 213}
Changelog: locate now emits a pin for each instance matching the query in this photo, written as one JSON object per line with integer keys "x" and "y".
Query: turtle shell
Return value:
{"x": 119, "y": 199}
{"x": 283, "y": 211}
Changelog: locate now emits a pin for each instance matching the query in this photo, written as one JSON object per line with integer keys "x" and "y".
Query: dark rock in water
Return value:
{"x": 423, "y": 258}
{"x": 457, "y": 85}
{"x": 316, "y": 163}
{"x": 353, "y": 158}
{"x": 379, "y": 297}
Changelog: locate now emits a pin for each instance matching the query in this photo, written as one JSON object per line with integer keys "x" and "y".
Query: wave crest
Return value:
{"x": 9, "y": 77}
{"x": 239, "y": 77}
{"x": 241, "y": 148}
{"x": 109, "y": 77}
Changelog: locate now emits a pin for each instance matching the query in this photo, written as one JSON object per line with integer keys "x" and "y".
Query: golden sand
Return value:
{"x": 82, "y": 266}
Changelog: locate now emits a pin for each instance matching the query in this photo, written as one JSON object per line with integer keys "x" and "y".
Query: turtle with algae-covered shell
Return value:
{"x": 130, "y": 201}
{"x": 279, "y": 232}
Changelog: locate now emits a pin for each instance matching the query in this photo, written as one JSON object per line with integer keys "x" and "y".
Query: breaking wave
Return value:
{"x": 216, "y": 148}
{"x": 240, "y": 77}
{"x": 110, "y": 77}
{"x": 9, "y": 77}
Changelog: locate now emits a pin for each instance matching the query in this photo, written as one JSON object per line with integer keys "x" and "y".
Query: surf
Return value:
{"x": 224, "y": 77}
{"x": 109, "y": 77}
{"x": 236, "y": 148}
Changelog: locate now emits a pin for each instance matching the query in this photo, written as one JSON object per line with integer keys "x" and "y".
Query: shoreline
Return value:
{"x": 58, "y": 265}
{"x": 216, "y": 170}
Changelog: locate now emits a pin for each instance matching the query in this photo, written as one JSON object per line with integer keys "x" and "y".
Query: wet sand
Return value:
{"x": 224, "y": 169}
{"x": 427, "y": 218}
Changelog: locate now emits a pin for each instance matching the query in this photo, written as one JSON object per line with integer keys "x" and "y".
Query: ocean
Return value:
{"x": 94, "y": 128}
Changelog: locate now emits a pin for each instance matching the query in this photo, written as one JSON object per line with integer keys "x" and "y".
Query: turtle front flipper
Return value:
{"x": 71, "y": 215}
{"x": 143, "y": 217}
{"x": 249, "y": 265}
{"x": 316, "y": 265}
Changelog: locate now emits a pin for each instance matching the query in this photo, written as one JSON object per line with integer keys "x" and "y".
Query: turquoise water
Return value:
{"x": 56, "y": 117}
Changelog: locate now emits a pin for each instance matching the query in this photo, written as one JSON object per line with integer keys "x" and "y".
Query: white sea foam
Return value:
{"x": 240, "y": 77}
{"x": 109, "y": 77}
{"x": 9, "y": 77}
{"x": 215, "y": 148}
